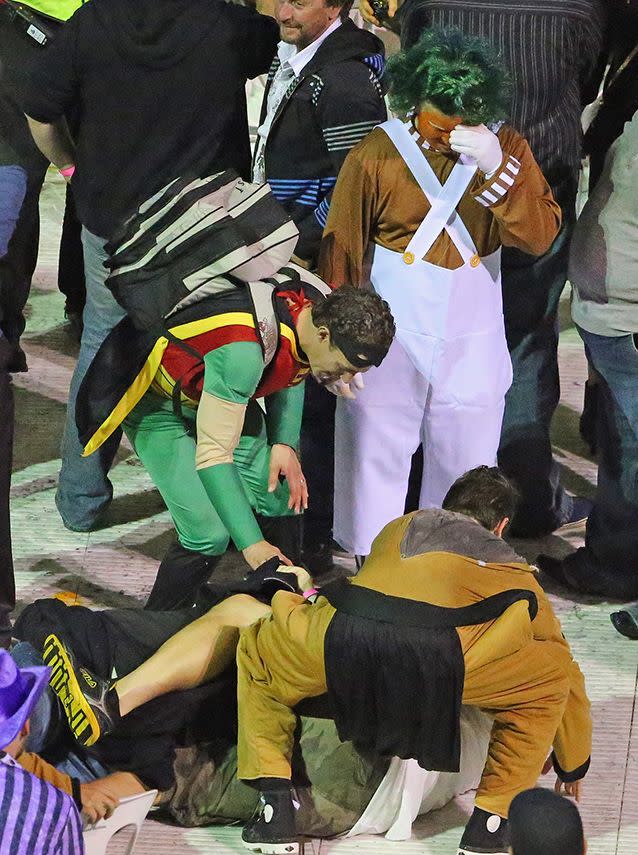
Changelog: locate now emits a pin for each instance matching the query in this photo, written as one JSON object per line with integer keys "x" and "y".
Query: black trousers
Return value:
{"x": 531, "y": 293}
{"x": 71, "y": 281}
{"x": 18, "y": 52}
{"x": 317, "y": 460}
{"x": 7, "y": 583}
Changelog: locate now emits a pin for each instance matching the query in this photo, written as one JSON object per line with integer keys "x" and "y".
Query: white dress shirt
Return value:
{"x": 292, "y": 62}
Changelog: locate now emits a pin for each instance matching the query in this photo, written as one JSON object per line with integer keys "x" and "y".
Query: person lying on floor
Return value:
{"x": 187, "y": 398}
{"x": 175, "y": 744}
{"x": 459, "y": 617}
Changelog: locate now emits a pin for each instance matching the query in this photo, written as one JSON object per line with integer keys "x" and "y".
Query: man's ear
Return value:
{"x": 26, "y": 728}
{"x": 500, "y": 528}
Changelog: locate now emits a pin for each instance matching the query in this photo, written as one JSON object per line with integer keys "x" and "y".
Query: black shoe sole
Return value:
{"x": 64, "y": 683}
{"x": 465, "y": 851}
{"x": 290, "y": 848}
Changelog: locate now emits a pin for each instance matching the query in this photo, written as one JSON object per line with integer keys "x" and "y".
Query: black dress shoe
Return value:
{"x": 625, "y": 622}
{"x": 18, "y": 360}
{"x": 485, "y": 834}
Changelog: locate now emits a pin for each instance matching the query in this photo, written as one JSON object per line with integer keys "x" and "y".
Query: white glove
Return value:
{"x": 479, "y": 143}
{"x": 347, "y": 390}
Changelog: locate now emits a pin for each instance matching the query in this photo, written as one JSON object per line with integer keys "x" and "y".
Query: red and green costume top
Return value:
{"x": 219, "y": 372}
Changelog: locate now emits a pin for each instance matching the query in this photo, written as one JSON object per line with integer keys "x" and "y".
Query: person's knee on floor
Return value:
{"x": 181, "y": 574}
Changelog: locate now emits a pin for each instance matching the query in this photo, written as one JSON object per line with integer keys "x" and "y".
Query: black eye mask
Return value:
{"x": 362, "y": 356}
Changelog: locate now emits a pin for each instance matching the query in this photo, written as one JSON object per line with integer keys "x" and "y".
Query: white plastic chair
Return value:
{"x": 130, "y": 812}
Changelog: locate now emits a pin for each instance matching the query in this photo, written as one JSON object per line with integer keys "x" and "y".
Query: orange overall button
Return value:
{"x": 475, "y": 261}
{"x": 408, "y": 257}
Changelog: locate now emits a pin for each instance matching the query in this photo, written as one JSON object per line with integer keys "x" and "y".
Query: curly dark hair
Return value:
{"x": 360, "y": 323}
{"x": 461, "y": 75}
{"x": 485, "y": 494}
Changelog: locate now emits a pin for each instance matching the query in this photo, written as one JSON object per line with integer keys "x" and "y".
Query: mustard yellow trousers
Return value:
{"x": 280, "y": 661}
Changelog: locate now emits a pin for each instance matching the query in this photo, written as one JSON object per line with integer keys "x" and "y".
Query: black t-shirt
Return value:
{"x": 160, "y": 90}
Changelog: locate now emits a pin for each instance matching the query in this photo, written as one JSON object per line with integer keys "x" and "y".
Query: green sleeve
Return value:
{"x": 232, "y": 373}
{"x": 225, "y": 490}
{"x": 284, "y": 410}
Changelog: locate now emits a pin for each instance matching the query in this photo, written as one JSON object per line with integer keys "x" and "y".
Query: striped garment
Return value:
{"x": 551, "y": 48}
{"x": 333, "y": 102}
{"x": 35, "y": 817}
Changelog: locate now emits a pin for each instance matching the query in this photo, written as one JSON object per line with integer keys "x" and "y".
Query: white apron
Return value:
{"x": 444, "y": 380}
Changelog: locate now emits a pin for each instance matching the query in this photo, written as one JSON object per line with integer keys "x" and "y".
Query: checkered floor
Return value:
{"x": 116, "y": 565}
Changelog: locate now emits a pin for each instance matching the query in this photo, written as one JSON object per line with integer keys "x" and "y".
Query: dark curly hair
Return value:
{"x": 461, "y": 75}
{"x": 359, "y": 322}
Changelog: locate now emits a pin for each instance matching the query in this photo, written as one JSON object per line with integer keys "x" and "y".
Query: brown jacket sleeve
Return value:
{"x": 572, "y": 744}
{"x": 350, "y": 220}
{"x": 45, "y": 771}
{"x": 519, "y": 197}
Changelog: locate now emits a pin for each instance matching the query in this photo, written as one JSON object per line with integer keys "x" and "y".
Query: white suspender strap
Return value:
{"x": 443, "y": 198}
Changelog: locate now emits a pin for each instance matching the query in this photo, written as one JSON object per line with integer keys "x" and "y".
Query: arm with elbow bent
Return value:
{"x": 54, "y": 141}
{"x": 231, "y": 376}
{"x": 516, "y": 193}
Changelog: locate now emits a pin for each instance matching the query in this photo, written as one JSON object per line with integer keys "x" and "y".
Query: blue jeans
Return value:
{"x": 46, "y": 720}
{"x": 531, "y": 292}
{"x": 84, "y": 489}
{"x": 608, "y": 563}
{"x": 13, "y": 185}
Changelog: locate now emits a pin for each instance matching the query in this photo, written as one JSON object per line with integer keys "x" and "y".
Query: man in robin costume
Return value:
{"x": 192, "y": 416}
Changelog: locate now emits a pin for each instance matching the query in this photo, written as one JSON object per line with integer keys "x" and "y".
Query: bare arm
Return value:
{"x": 54, "y": 141}
{"x": 101, "y": 797}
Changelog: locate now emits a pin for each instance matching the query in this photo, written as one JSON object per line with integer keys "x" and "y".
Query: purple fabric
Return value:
{"x": 20, "y": 689}
{"x": 35, "y": 817}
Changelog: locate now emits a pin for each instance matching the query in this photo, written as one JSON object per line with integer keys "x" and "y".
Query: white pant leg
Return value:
{"x": 456, "y": 439}
{"x": 462, "y": 423}
{"x": 375, "y": 438}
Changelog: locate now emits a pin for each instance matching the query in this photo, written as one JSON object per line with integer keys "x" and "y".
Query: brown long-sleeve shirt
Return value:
{"x": 377, "y": 201}
{"x": 46, "y": 772}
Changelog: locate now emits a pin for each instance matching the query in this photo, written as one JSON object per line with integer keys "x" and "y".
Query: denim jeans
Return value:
{"x": 608, "y": 563}
{"x": 531, "y": 292}
{"x": 13, "y": 185}
{"x": 84, "y": 489}
{"x": 46, "y": 721}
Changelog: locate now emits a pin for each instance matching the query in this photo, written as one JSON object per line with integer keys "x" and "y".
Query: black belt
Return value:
{"x": 40, "y": 28}
{"x": 366, "y": 603}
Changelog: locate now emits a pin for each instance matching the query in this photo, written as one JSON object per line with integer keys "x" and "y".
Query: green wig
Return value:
{"x": 460, "y": 75}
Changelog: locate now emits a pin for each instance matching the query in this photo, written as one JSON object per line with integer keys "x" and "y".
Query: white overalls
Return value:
{"x": 444, "y": 380}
